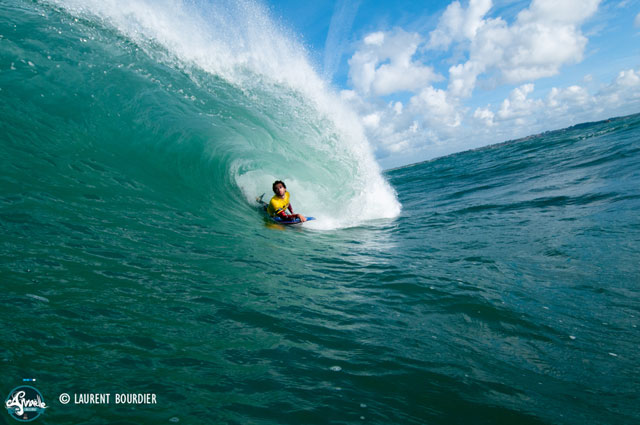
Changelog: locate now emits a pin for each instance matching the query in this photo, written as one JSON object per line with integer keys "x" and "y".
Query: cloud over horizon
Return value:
{"x": 413, "y": 104}
{"x": 384, "y": 65}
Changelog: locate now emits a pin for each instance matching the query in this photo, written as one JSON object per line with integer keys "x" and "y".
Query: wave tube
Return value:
{"x": 280, "y": 119}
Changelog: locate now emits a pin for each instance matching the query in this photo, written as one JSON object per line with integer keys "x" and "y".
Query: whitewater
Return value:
{"x": 498, "y": 285}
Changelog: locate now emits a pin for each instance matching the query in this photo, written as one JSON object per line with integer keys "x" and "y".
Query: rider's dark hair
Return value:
{"x": 273, "y": 186}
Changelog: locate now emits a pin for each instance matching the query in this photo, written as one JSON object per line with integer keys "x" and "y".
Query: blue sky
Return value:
{"x": 431, "y": 78}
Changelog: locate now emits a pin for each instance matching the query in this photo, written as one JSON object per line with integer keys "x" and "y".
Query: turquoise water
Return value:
{"x": 504, "y": 290}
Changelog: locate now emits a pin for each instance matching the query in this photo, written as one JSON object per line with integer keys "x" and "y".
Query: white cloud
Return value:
{"x": 396, "y": 129}
{"x": 462, "y": 78}
{"x": 518, "y": 105}
{"x": 570, "y": 105}
{"x": 436, "y": 108}
{"x": 485, "y": 115}
{"x": 384, "y": 64}
{"x": 627, "y": 79}
{"x": 546, "y": 37}
{"x": 636, "y": 22}
{"x": 428, "y": 120}
{"x": 434, "y": 124}
{"x": 566, "y": 11}
{"x": 375, "y": 39}
{"x": 623, "y": 91}
{"x": 571, "y": 97}
{"x": 520, "y": 108}
{"x": 372, "y": 120}
{"x": 565, "y": 106}
{"x": 458, "y": 24}
{"x": 543, "y": 38}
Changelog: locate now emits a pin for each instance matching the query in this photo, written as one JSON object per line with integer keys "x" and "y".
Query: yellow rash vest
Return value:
{"x": 278, "y": 204}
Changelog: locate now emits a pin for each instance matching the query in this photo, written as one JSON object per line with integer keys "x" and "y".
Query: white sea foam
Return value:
{"x": 38, "y": 297}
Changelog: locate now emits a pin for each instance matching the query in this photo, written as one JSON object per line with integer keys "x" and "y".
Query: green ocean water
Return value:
{"x": 504, "y": 290}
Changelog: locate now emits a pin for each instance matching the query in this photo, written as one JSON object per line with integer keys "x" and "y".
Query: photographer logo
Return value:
{"x": 25, "y": 403}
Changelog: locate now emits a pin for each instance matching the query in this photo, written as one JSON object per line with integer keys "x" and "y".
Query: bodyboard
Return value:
{"x": 263, "y": 207}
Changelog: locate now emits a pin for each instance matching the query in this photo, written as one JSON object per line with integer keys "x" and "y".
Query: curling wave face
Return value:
{"x": 222, "y": 96}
